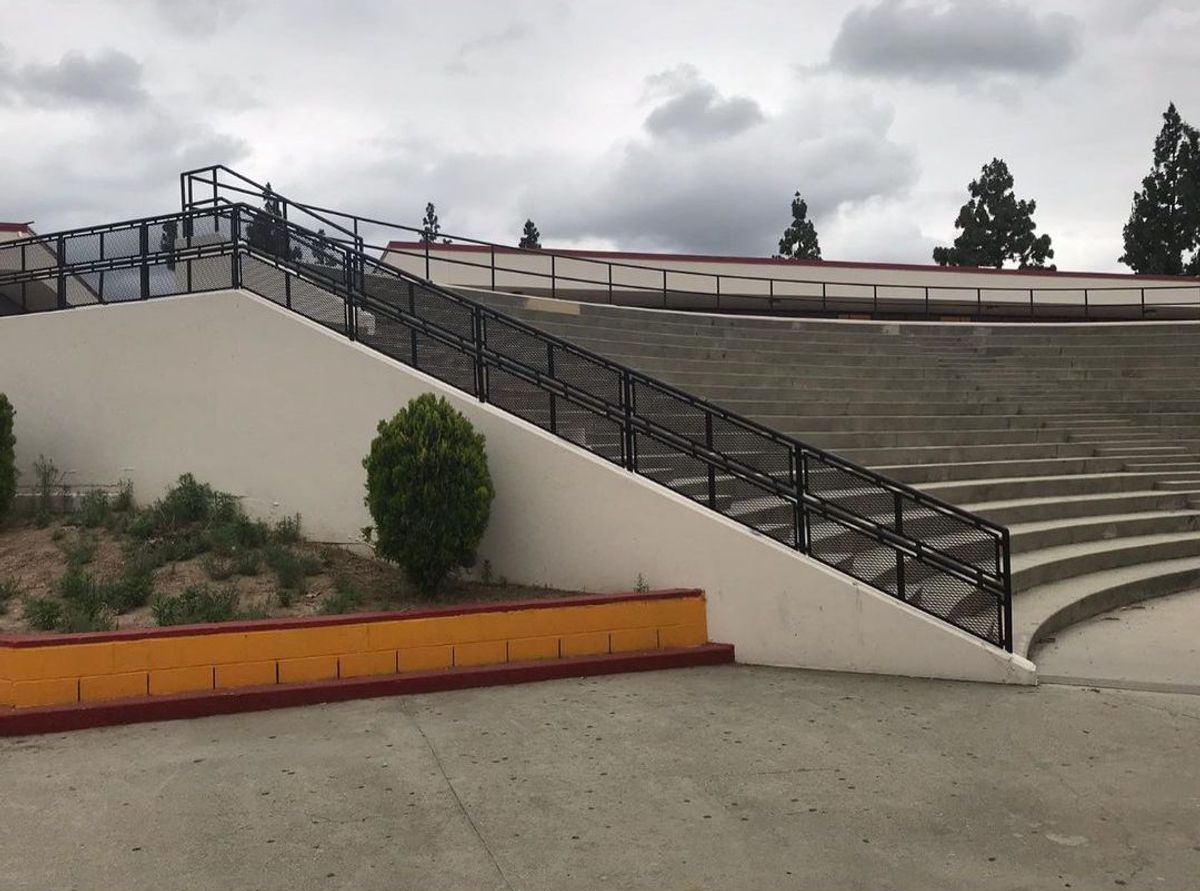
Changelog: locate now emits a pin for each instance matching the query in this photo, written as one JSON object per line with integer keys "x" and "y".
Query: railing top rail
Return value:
{"x": 575, "y": 256}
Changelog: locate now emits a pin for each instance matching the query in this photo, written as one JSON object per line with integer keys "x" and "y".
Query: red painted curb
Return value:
{"x": 500, "y": 606}
{"x": 56, "y": 719}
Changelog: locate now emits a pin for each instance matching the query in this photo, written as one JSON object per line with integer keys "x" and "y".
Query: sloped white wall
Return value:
{"x": 262, "y": 403}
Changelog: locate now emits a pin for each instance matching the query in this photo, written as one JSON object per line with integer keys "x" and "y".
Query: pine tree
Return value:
{"x": 531, "y": 238}
{"x": 429, "y": 226}
{"x": 996, "y": 227}
{"x": 799, "y": 240}
{"x": 1162, "y": 236}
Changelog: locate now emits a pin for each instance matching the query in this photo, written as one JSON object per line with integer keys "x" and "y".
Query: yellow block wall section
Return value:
{"x": 66, "y": 673}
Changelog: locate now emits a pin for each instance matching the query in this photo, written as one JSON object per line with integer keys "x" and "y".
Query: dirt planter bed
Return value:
{"x": 52, "y": 682}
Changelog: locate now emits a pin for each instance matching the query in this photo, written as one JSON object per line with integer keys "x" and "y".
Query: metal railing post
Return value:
{"x": 874, "y": 300}
{"x": 610, "y": 293}
{"x": 553, "y": 400}
{"x": 480, "y": 369}
{"x": 927, "y": 301}
{"x": 412, "y": 311}
{"x": 348, "y": 263}
{"x": 553, "y": 277}
{"x": 627, "y": 442}
{"x": 900, "y": 556}
{"x": 493, "y": 267}
{"x": 144, "y": 248}
{"x": 712, "y": 470}
{"x": 235, "y": 233}
{"x": 718, "y": 292}
{"x": 61, "y": 285}
{"x": 427, "y": 276}
{"x": 1143, "y": 290}
{"x": 1007, "y": 636}
{"x": 800, "y": 469}
{"x": 664, "y": 289}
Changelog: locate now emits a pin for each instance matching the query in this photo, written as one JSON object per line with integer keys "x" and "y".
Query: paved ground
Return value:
{"x": 721, "y": 778}
{"x": 1150, "y": 645}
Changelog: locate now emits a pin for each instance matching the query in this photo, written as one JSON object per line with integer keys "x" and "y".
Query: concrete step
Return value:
{"x": 1054, "y": 564}
{"x": 1045, "y": 609}
{"x": 1033, "y": 536}
{"x": 1035, "y": 509}
{"x": 976, "y": 491}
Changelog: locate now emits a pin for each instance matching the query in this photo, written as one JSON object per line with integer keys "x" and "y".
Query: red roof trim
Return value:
{"x": 16, "y": 227}
{"x": 51, "y": 640}
{"x": 771, "y": 261}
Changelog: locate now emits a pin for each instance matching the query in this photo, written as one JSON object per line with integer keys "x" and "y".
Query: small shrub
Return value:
{"x": 285, "y": 597}
{"x": 217, "y": 568}
{"x": 287, "y": 530}
{"x": 8, "y": 465}
{"x": 123, "y": 502}
{"x": 344, "y": 599}
{"x": 289, "y": 568}
{"x": 428, "y": 490}
{"x": 93, "y": 508}
{"x": 82, "y": 550}
{"x": 641, "y": 586}
{"x": 328, "y": 555}
{"x": 247, "y": 563}
{"x": 43, "y": 613}
{"x": 9, "y": 589}
{"x": 133, "y": 589}
{"x": 199, "y": 603}
{"x": 58, "y": 534}
{"x": 49, "y": 480}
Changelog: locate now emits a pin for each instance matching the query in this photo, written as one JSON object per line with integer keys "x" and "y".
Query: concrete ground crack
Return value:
{"x": 457, "y": 800}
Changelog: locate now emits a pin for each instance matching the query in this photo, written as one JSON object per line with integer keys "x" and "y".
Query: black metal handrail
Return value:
{"x": 213, "y": 179}
{"x": 938, "y": 557}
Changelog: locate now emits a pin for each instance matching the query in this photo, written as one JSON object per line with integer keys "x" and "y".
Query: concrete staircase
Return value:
{"x": 1083, "y": 439}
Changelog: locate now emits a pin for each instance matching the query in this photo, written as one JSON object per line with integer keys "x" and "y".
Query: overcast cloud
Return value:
{"x": 623, "y": 125}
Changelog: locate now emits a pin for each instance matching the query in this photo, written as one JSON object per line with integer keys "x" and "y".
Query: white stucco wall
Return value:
{"x": 470, "y": 266}
{"x": 262, "y": 403}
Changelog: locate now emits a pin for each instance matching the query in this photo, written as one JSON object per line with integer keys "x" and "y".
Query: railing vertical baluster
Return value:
{"x": 61, "y": 251}
{"x": 664, "y": 289}
{"x": 235, "y": 232}
{"x": 479, "y": 334}
{"x": 351, "y": 308}
{"x": 144, "y": 248}
{"x": 610, "y": 293}
{"x": 493, "y": 267}
{"x": 412, "y": 311}
{"x": 428, "y": 277}
{"x": 979, "y": 303}
{"x": 553, "y": 399}
{"x": 1031, "y": 303}
{"x": 927, "y": 301}
{"x": 712, "y": 470}
{"x": 553, "y": 278}
{"x": 718, "y": 292}
{"x": 804, "y": 528}
{"x": 823, "y": 297}
{"x": 1086, "y": 312}
{"x": 1143, "y": 290}
{"x": 874, "y": 300}
{"x": 770, "y": 293}
{"x": 1006, "y": 608}
{"x": 627, "y": 443}
{"x": 900, "y": 556}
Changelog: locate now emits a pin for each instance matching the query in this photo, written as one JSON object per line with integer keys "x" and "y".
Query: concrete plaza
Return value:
{"x": 722, "y": 778}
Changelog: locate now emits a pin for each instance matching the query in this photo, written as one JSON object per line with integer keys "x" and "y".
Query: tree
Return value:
{"x": 430, "y": 226}
{"x": 996, "y": 227}
{"x": 1162, "y": 236}
{"x": 428, "y": 490}
{"x": 531, "y": 237}
{"x": 799, "y": 240}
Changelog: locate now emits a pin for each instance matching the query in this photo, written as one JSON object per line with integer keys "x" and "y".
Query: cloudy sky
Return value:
{"x": 651, "y": 125}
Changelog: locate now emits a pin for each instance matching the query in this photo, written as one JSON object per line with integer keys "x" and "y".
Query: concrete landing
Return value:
{"x": 722, "y": 778}
{"x": 1153, "y": 645}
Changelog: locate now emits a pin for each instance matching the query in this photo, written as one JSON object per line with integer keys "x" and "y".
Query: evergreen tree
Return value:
{"x": 996, "y": 227}
{"x": 799, "y": 240}
{"x": 531, "y": 238}
{"x": 1162, "y": 236}
{"x": 429, "y": 226}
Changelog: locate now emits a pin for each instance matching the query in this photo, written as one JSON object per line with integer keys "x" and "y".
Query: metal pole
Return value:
{"x": 144, "y": 247}
{"x": 804, "y": 537}
{"x": 493, "y": 267}
{"x": 550, "y": 373}
{"x": 1143, "y": 290}
{"x": 927, "y": 301}
{"x": 610, "y": 294}
{"x": 712, "y": 470}
{"x": 627, "y": 445}
{"x": 664, "y": 289}
{"x": 412, "y": 310}
{"x": 1007, "y": 641}
{"x": 235, "y": 232}
{"x": 427, "y": 276}
{"x": 899, "y": 556}
{"x": 1086, "y": 312}
{"x": 875, "y": 300}
{"x": 718, "y": 292}
{"x": 61, "y": 250}
{"x": 553, "y": 278}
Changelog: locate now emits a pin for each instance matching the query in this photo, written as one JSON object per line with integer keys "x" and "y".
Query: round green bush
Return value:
{"x": 428, "y": 490}
{"x": 8, "y": 465}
